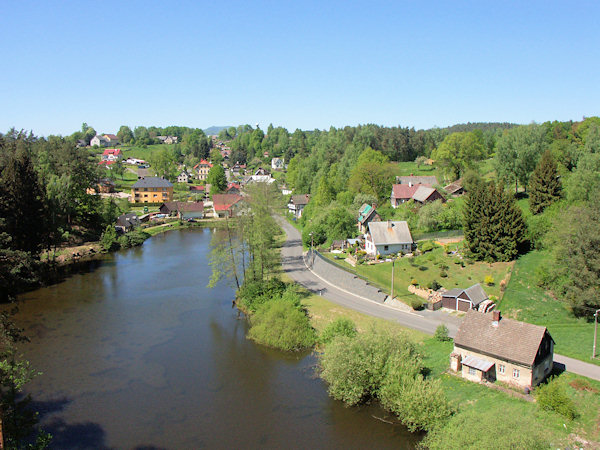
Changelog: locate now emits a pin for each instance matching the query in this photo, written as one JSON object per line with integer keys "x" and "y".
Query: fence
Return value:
{"x": 438, "y": 235}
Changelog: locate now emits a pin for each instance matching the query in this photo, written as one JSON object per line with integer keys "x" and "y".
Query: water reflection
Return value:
{"x": 138, "y": 353}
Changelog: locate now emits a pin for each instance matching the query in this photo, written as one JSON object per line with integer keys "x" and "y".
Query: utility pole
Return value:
{"x": 595, "y": 332}
{"x": 392, "y": 290}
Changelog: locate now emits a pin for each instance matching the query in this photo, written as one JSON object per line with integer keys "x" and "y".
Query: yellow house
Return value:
{"x": 152, "y": 190}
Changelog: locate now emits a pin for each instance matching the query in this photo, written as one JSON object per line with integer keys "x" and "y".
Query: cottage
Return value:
{"x": 106, "y": 186}
{"x": 227, "y": 205}
{"x": 111, "y": 154}
{"x": 455, "y": 189}
{"x": 99, "y": 141}
{"x": 167, "y": 139}
{"x": 277, "y": 164}
{"x": 489, "y": 347}
{"x": 297, "y": 204}
{"x": 366, "y": 214}
{"x": 183, "y": 210}
{"x": 184, "y": 177}
{"x": 152, "y": 190}
{"x": 420, "y": 193}
{"x": 425, "y": 194}
{"x": 127, "y": 222}
{"x": 233, "y": 188}
{"x": 464, "y": 299}
{"x": 386, "y": 238}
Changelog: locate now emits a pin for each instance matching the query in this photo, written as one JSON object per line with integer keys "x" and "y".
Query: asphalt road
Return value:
{"x": 335, "y": 289}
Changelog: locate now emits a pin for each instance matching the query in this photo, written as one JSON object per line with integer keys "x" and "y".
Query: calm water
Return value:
{"x": 138, "y": 353}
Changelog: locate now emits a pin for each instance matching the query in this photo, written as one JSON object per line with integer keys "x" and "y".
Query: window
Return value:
{"x": 501, "y": 368}
{"x": 386, "y": 248}
{"x": 515, "y": 373}
{"x": 472, "y": 371}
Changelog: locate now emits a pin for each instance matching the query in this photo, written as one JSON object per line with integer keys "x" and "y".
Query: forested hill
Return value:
{"x": 214, "y": 130}
{"x": 483, "y": 126}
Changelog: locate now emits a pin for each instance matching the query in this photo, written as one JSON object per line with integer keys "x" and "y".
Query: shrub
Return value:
{"x": 443, "y": 274}
{"x": 416, "y": 303}
{"x": 489, "y": 280}
{"x": 434, "y": 285}
{"x": 423, "y": 268}
{"x": 354, "y": 367}
{"x": 427, "y": 246}
{"x": 553, "y": 396}
{"x": 108, "y": 240}
{"x": 281, "y": 324}
{"x": 339, "y": 327}
{"x": 254, "y": 293}
{"x": 414, "y": 282}
{"x": 123, "y": 241}
{"x": 441, "y": 333}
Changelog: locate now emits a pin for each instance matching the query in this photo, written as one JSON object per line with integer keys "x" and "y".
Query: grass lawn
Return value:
{"x": 143, "y": 153}
{"x": 411, "y": 168}
{"x": 524, "y": 300}
{"x": 125, "y": 183}
{"x": 426, "y": 268}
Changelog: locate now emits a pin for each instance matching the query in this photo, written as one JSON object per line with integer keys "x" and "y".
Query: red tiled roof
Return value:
{"x": 404, "y": 190}
{"x": 196, "y": 188}
{"x": 112, "y": 151}
{"x": 222, "y": 202}
{"x": 107, "y": 162}
{"x": 112, "y": 137}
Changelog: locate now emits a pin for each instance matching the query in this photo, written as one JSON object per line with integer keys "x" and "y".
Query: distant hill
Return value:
{"x": 214, "y": 130}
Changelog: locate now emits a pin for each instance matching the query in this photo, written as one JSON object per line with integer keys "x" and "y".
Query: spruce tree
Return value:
{"x": 493, "y": 223}
{"x": 544, "y": 185}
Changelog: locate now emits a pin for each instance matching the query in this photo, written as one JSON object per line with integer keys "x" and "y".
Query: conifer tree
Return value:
{"x": 493, "y": 223}
{"x": 544, "y": 184}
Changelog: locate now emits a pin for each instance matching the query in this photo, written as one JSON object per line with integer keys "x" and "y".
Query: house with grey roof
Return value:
{"x": 425, "y": 194}
{"x": 464, "y": 299}
{"x": 488, "y": 347}
{"x": 413, "y": 180}
{"x": 386, "y": 238}
{"x": 297, "y": 204}
{"x": 152, "y": 190}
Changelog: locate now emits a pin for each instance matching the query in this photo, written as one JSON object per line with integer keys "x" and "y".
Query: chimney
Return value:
{"x": 495, "y": 318}
{"x": 410, "y": 184}
{"x": 389, "y": 224}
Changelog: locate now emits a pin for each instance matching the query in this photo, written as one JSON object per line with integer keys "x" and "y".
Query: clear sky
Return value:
{"x": 298, "y": 64}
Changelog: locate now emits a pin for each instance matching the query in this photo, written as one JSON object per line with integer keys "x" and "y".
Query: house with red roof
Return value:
{"x": 233, "y": 188}
{"x": 227, "y": 205}
{"x": 111, "y": 154}
{"x": 202, "y": 169}
{"x": 420, "y": 193}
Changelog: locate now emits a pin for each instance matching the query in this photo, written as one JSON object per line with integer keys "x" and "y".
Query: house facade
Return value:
{"x": 297, "y": 204}
{"x": 386, "y": 238}
{"x": 420, "y": 193}
{"x": 489, "y": 347}
{"x": 184, "y": 177}
{"x": 277, "y": 164}
{"x": 152, "y": 190}
{"x": 127, "y": 222}
{"x": 425, "y": 194}
{"x": 202, "y": 169}
{"x": 111, "y": 154}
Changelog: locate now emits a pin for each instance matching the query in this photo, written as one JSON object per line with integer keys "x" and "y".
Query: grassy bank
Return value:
{"x": 524, "y": 300}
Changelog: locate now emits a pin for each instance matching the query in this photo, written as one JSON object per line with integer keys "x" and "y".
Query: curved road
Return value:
{"x": 333, "y": 288}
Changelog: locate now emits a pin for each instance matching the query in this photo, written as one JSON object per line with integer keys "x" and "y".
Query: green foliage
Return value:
{"x": 553, "y": 396}
{"x": 281, "y": 323}
{"x": 493, "y": 223}
{"x": 254, "y": 293}
{"x": 576, "y": 258}
{"x": 441, "y": 333}
{"x": 372, "y": 175}
{"x": 416, "y": 303}
{"x": 339, "y": 327}
{"x": 458, "y": 152}
{"x": 108, "y": 240}
{"x": 427, "y": 246}
{"x": 517, "y": 153}
{"x": 544, "y": 184}
{"x": 217, "y": 179}
{"x": 488, "y": 430}
{"x": 132, "y": 239}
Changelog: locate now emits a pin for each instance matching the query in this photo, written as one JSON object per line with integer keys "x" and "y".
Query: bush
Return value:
{"x": 489, "y": 280}
{"x": 108, "y": 240}
{"x": 441, "y": 333}
{"x": 434, "y": 285}
{"x": 281, "y": 324}
{"x": 427, "y": 246}
{"x": 254, "y": 293}
{"x": 553, "y": 396}
{"x": 444, "y": 274}
{"x": 354, "y": 367}
{"x": 414, "y": 282}
{"x": 423, "y": 268}
{"x": 416, "y": 303}
{"x": 339, "y": 327}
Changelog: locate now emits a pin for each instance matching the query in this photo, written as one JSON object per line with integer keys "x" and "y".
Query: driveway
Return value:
{"x": 342, "y": 288}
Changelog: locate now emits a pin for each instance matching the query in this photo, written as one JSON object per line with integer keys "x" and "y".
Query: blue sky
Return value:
{"x": 298, "y": 64}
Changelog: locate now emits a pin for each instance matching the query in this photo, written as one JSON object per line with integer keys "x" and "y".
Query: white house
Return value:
{"x": 184, "y": 177}
{"x": 386, "y": 238}
{"x": 277, "y": 164}
{"x": 297, "y": 204}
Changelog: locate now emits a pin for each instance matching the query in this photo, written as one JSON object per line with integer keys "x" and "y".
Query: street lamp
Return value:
{"x": 392, "y": 290}
{"x": 595, "y": 332}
